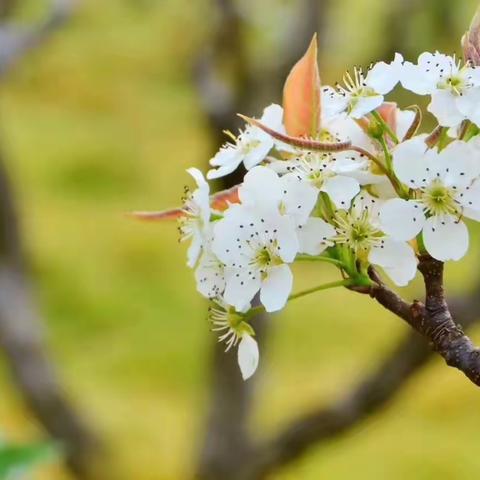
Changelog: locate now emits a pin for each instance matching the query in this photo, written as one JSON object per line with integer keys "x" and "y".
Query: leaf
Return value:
{"x": 219, "y": 201}
{"x": 302, "y": 96}
{"x": 20, "y": 458}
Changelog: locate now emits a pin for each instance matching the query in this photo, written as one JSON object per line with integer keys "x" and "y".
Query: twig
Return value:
{"x": 434, "y": 320}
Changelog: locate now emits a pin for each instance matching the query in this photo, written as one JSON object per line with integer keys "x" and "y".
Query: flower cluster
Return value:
{"x": 364, "y": 190}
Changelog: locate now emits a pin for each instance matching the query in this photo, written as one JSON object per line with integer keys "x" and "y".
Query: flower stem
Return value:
{"x": 348, "y": 282}
{"x": 319, "y": 258}
{"x": 385, "y": 126}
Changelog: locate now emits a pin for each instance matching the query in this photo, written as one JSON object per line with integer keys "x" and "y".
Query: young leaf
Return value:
{"x": 302, "y": 96}
{"x": 219, "y": 201}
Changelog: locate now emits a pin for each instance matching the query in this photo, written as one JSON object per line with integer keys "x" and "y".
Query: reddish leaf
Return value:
{"x": 302, "y": 96}
{"x": 219, "y": 201}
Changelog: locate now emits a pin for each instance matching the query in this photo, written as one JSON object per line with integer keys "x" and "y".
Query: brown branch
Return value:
{"x": 374, "y": 392}
{"x": 434, "y": 320}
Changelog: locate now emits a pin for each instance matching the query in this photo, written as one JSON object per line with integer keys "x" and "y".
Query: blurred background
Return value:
{"x": 103, "y": 118}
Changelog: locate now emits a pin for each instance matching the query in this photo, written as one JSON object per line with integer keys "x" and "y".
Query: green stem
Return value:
{"x": 386, "y": 152}
{"x": 385, "y": 126}
{"x": 311, "y": 258}
{"x": 348, "y": 282}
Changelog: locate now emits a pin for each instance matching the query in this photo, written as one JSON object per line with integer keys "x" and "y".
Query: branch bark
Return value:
{"x": 434, "y": 320}
{"x": 373, "y": 393}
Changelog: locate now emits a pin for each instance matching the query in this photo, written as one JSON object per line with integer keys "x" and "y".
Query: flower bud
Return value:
{"x": 471, "y": 41}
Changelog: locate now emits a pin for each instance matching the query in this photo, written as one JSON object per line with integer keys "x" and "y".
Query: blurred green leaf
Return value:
{"x": 16, "y": 460}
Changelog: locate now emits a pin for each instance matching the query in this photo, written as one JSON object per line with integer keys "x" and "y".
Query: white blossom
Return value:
{"x": 194, "y": 222}
{"x": 234, "y": 330}
{"x": 315, "y": 236}
{"x": 446, "y": 188}
{"x": 454, "y": 89}
{"x": 248, "y": 356}
{"x": 268, "y": 193}
{"x": 250, "y": 147}
{"x": 361, "y": 91}
{"x": 210, "y": 275}
{"x": 361, "y": 231}
{"x": 256, "y": 250}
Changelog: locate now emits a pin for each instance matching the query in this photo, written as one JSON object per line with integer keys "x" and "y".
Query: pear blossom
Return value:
{"x": 235, "y": 330}
{"x": 315, "y": 236}
{"x": 194, "y": 222}
{"x": 250, "y": 147}
{"x": 248, "y": 356}
{"x": 363, "y": 92}
{"x": 454, "y": 88}
{"x": 264, "y": 190}
{"x": 210, "y": 275}
{"x": 360, "y": 229}
{"x": 446, "y": 188}
{"x": 256, "y": 251}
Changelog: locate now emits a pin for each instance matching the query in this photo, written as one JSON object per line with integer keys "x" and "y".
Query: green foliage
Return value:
{"x": 18, "y": 460}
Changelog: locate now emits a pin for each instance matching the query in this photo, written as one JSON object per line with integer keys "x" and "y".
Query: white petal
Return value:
{"x": 345, "y": 128}
{"x": 401, "y": 219}
{"x": 445, "y": 238}
{"x": 273, "y": 117}
{"x": 444, "y": 107}
{"x": 194, "y": 250}
{"x": 248, "y": 356}
{"x": 424, "y": 77}
{"x": 360, "y": 106}
{"x": 209, "y": 276}
{"x": 240, "y": 287}
{"x": 227, "y": 155}
{"x": 470, "y": 197}
{"x": 299, "y": 198}
{"x": 410, "y": 161}
{"x": 468, "y": 104}
{"x": 383, "y": 76}
{"x": 333, "y": 103}
{"x": 237, "y": 223}
{"x": 223, "y": 170}
{"x": 404, "y": 119}
{"x": 258, "y": 153}
{"x": 412, "y": 79}
{"x": 276, "y": 288}
{"x": 261, "y": 188}
{"x": 397, "y": 259}
{"x": 286, "y": 237}
{"x": 341, "y": 190}
{"x": 314, "y": 236}
{"x": 458, "y": 164}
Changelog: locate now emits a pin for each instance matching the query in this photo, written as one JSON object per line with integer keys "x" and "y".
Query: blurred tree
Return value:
{"x": 20, "y": 326}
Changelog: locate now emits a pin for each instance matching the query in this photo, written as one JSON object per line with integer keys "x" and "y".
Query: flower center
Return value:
{"x": 439, "y": 199}
{"x": 230, "y": 325}
{"x": 249, "y": 146}
{"x": 267, "y": 257}
{"x": 191, "y": 221}
{"x": 458, "y": 81}
{"x": 357, "y": 232}
{"x": 314, "y": 167}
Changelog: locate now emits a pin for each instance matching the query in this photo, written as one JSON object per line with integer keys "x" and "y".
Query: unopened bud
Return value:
{"x": 471, "y": 41}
